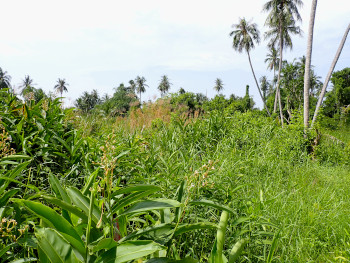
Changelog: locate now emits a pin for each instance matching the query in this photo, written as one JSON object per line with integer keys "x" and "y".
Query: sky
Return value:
{"x": 100, "y": 44}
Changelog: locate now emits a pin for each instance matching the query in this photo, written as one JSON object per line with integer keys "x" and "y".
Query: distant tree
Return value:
{"x": 27, "y": 86}
{"x": 244, "y": 35}
{"x": 88, "y": 101}
{"x": 140, "y": 85}
{"x": 272, "y": 60}
{"x": 164, "y": 85}
{"x": 281, "y": 21}
{"x": 39, "y": 94}
{"x": 182, "y": 91}
{"x": 61, "y": 86}
{"x": 264, "y": 84}
{"x": 339, "y": 96}
{"x": 132, "y": 86}
{"x": 219, "y": 86}
{"x": 5, "y": 80}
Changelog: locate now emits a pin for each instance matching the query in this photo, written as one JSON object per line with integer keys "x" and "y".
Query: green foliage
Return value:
{"x": 88, "y": 101}
{"x": 120, "y": 103}
{"x": 339, "y": 96}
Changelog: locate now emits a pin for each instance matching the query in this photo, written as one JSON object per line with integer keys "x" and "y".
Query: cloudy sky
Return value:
{"x": 100, "y": 44}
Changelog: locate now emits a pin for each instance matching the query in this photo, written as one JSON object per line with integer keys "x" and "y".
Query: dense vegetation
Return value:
{"x": 186, "y": 182}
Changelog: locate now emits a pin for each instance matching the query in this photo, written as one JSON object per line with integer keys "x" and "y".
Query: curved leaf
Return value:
{"x": 129, "y": 250}
{"x": 149, "y": 205}
{"x": 55, "y": 247}
{"x": 212, "y": 204}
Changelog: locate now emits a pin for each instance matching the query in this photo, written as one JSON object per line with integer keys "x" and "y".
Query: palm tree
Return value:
{"x": 164, "y": 85}
{"x": 61, "y": 86}
{"x": 307, "y": 76}
{"x": 272, "y": 61}
{"x": 132, "y": 86}
{"x": 325, "y": 84}
{"x": 282, "y": 23}
{"x": 244, "y": 35}
{"x": 264, "y": 84}
{"x": 219, "y": 86}
{"x": 27, "y": 85}
{"x": 140, "y": 85}
{"x": 5, "y": 80}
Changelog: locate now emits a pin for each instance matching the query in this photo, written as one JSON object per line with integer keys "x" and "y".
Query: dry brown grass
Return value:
{"x": 142, "y": 118}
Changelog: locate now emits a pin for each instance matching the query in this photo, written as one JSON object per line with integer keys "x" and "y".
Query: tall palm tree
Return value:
{"x": 164, "y": 85}
{"x": 61, "y": 86}
{"x": 219, "y": 86}
{"x": 140, "y": 85}
{"x": 5, "y": 80}
{"x": 244, "y": 35}
{"x": 307, "y": 76}
{"x": 325, "y": 84}
{"x": 281, "y": 20}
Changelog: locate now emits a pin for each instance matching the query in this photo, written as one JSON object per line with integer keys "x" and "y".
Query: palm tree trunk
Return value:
{"x": 323, "y": 91}
{"x": 278, "y": 94}
{"x": 308, "y": 64}
{"x": 256, "y": 82}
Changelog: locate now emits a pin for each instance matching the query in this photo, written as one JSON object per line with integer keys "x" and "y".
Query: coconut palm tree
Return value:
{"x": 219, "y": 86}
{"x": 132, "y": 86}
{"x": 61, "y": 86}
{"x": 325, "y": 84}
{"x": 264, "y": 84}
{"x": 272, "y": 61}
{"x": 140, "y": 85}
{"x": 164, "y": 85}
{"x": 281, "y": 20}
{"x": 27, "y": 86}
{"x": 5, "y": 80}
{"x": 244, "y": 35}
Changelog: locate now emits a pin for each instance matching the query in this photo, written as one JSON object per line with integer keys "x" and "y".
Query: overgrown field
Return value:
{"x": 162, "y": 186}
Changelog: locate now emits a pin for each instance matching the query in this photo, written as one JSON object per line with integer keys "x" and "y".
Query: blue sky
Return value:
{"x": 100, "y": 44}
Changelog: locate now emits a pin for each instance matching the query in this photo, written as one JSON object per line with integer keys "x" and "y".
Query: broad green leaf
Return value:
{"x": 56, "y": 248}
{"x": 90, "y": 181}
{"x": 149, "y": 205}
{"x": 212, "y": 204}
{"x": 167, "y": 229}
{"x": 58, "y": 189}
{"x": 60, "y": 193}
{"x": 63, "y": 142}
{"x": 129, "y": 250}
{"x": 128, "y": 200}
{"x": 5, "y": 197}
{"x": 56, "y": 221}
{"x": 168, "y": 260}
{"x": 105, "y": 243}
{"x": 195, "y": 226}
{"x": 83, "y": 202}
{"x": 66, "y": 206}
